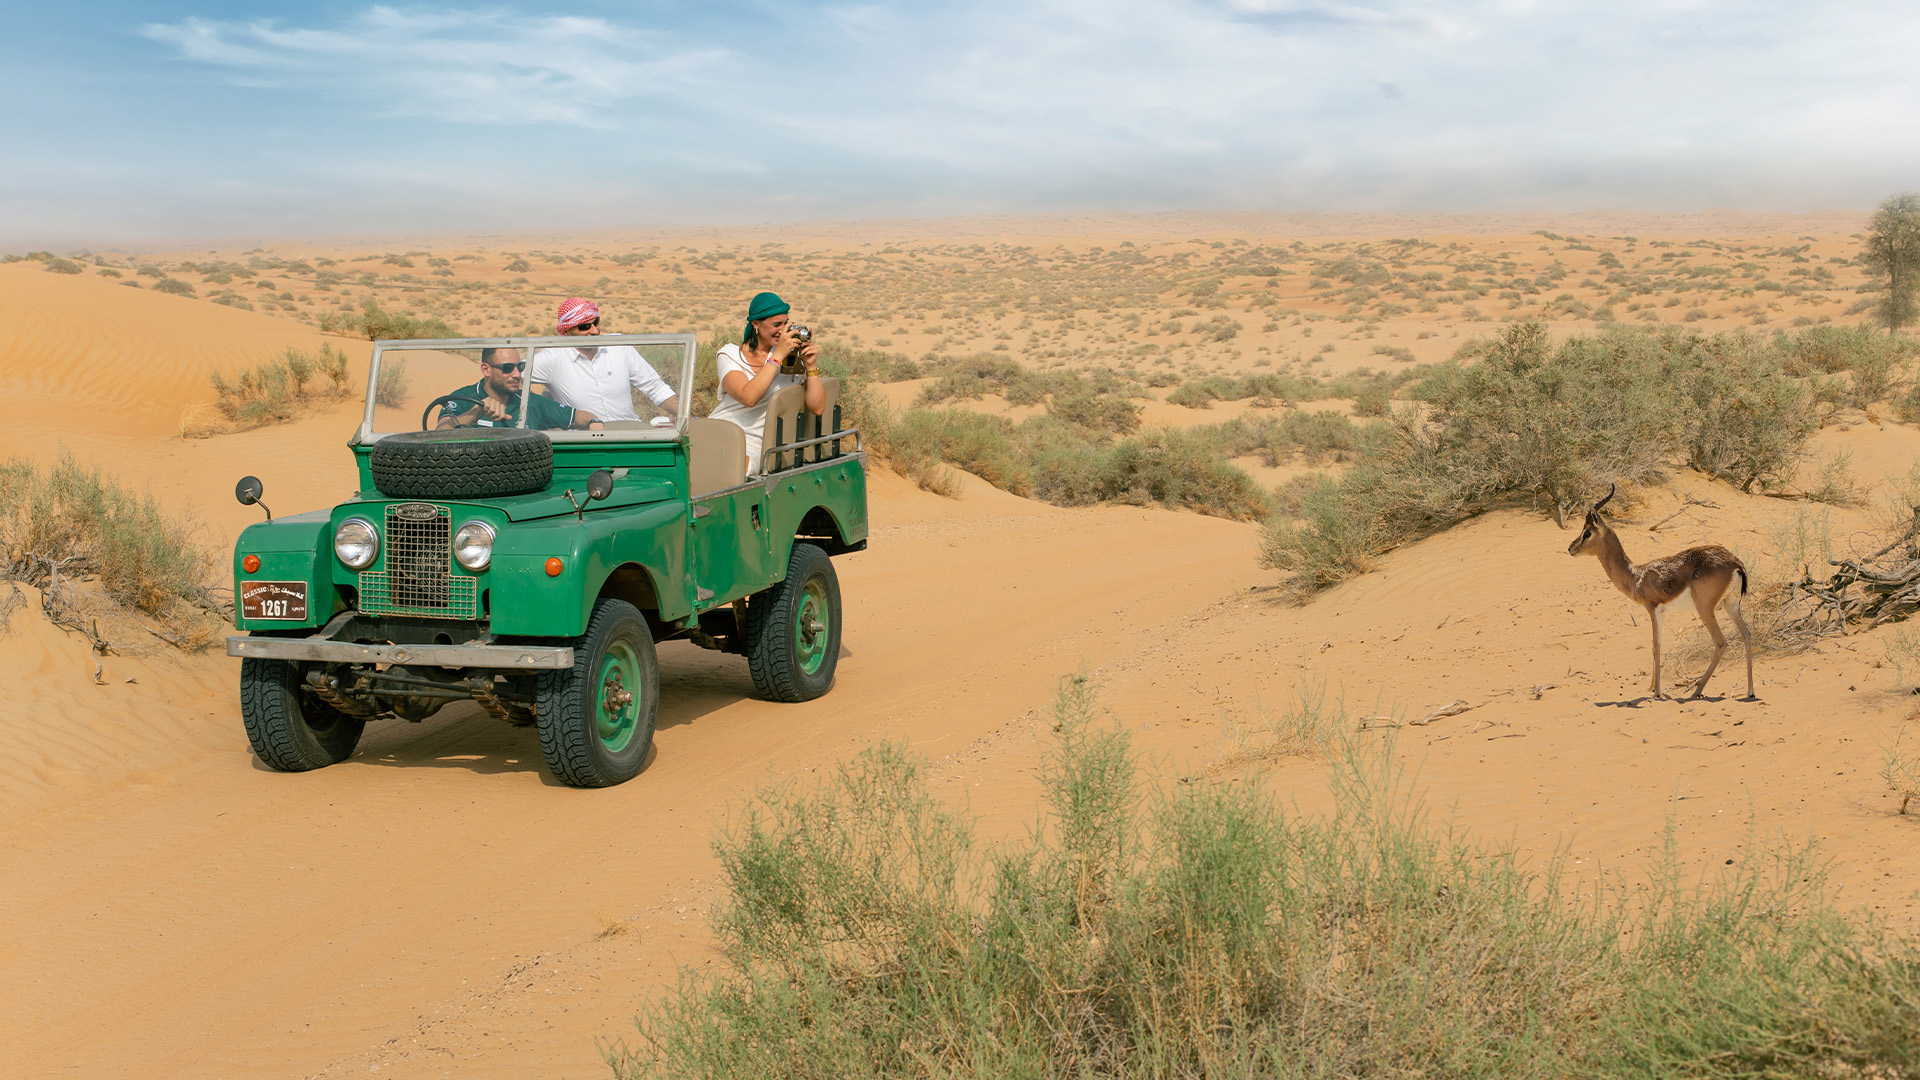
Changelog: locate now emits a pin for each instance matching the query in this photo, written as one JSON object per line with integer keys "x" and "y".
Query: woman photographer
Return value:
{"x": 751, "y": 371}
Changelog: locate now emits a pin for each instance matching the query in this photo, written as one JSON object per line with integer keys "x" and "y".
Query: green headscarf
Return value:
{"x": 764, "y": 306}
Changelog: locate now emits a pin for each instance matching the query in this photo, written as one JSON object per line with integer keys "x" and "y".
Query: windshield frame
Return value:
{"x": 688, "y": 344}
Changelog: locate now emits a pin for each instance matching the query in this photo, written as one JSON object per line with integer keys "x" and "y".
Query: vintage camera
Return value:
{"x": 800, "y": 336}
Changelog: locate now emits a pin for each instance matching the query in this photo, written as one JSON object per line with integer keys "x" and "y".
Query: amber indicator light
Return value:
{"x": 251, "y": 564}
{"x": 553, "y": 566}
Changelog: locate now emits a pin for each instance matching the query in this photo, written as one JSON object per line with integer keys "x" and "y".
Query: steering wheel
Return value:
{"x": 442, "y": 400}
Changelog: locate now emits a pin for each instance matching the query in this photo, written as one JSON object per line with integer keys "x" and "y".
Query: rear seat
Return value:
{"x": 716, "y": 455}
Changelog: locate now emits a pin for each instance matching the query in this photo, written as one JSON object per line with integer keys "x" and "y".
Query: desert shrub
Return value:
{"x": 278, "y": 388}
{"x": 1199, "y": 930}
{"x": 376, "y": 323}
{"x": 1518, "y": 420}
{"x": 63, "y": 266}
{"x": 77, "y": 517}
{"x": 1749, "y": 421}
{"x": 982, "y": 445}
{"x": 871, "y": 365}
{"x": 971, "y": 377}
{"x": 1286, "y": 389}
{"x": 1178, "y": 469}
{"x": 1372, "y": 401}
{"x": 1316, "y": 437}
{"x": 391, "y": 391}
{"x": 174, "y": 287}
{"x": 1528, "y": 421}
{"x": 1099, "y": 412}
{"x": 1875, "y": 359}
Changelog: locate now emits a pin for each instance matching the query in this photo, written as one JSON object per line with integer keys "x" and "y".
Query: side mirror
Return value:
{"x": 248, "y": 492}
{"x": 599, "y": 484}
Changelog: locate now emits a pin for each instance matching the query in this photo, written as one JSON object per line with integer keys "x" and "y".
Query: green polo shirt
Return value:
{"x": 543, "y": 411}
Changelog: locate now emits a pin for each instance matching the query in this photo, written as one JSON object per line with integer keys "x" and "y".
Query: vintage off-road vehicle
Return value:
{"x": 533, "y": 571}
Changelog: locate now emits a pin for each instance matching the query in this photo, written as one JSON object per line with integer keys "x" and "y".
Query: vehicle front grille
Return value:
{"x": 419, "y": 578}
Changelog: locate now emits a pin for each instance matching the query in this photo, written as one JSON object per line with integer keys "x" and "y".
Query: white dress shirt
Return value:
{"x": 600, "y": 380}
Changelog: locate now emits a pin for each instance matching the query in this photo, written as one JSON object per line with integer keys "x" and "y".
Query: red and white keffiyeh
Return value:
{"x": 574, "y": 311}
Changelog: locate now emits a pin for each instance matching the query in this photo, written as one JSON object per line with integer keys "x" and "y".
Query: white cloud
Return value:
{"x": 463, "y": 67}
{"x": 871, "y": 108}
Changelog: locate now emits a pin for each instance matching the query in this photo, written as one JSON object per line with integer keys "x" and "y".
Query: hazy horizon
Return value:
{"x": 140, "y": 124}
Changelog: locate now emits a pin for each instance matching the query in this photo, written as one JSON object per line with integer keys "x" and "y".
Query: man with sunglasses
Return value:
{"x": 502, "y": 375}
{"x": 600, "y": 378}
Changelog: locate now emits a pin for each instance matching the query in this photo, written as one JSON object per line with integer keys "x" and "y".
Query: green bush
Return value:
{"x": 1875, "y": 359}
{"x": 174, "y": 287}
{"x": 63, "y": 266}
{"x": 1198, "y": 930}
{"x": 1519, "y": 420}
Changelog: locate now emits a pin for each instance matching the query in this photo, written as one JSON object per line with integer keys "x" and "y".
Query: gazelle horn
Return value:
{"x": 1603, "y": 502}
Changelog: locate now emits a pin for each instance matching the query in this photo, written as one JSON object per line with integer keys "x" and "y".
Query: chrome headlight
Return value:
{"x": 357, "y": 543}
{"x": 473, "y": 545}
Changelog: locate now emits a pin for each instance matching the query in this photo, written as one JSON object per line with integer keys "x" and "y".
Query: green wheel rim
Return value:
{"x": 812, "y": 626}
{"x": 616, "y": 697}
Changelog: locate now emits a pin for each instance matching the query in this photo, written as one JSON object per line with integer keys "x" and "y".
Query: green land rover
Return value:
{"x": 533, "y": 571}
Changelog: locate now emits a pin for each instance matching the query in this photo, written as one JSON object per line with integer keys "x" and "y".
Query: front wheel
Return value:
{"x": 596, "y": 718}
{"x": 292, "y": 730}
{"x": 793, "y": 629}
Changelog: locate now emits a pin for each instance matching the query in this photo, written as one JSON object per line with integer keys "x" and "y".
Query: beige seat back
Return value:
{"x": 716, "y": 455}
{"x": 825, "y": 423}
{"x": 782, "y": 426}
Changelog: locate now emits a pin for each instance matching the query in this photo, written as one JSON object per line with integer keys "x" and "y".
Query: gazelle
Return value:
{"x": 1703, "y": 571}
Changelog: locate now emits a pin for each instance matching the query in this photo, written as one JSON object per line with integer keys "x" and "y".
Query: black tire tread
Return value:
{"x": 772, "y": 654}
{"x": 563, "y": 698}
{"x": 462, "y": 463}
{"x": 275, "y": 715}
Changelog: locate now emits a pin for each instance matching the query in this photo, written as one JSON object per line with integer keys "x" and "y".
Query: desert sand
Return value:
{"x": 438, "y": 906}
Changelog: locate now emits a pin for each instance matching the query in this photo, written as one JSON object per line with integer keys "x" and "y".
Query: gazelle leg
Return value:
{"x": 1746, "y": 638}
{"x": 1653, "y": 616}
{"x": 1704, "y": 603}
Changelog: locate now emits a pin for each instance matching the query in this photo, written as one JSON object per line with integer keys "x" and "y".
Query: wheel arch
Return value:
{"x": 821, "y": 528}
{"x": 635, "y": 584}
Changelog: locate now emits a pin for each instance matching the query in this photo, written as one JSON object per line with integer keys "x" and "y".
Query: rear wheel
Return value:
{"x": 793, "y": 629}
{"x": 290, "y": 729}
{"x": 596, "y": 718}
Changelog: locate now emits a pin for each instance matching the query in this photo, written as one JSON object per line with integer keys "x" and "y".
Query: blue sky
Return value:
{"x": 147, "y": 122}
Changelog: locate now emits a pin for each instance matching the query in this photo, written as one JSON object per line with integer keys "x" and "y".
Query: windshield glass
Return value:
{"x": 621, "y": 386}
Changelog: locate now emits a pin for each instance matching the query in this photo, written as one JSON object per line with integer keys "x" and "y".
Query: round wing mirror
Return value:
{"x": 599, "y": 484}
{"x": 248, "y": 490}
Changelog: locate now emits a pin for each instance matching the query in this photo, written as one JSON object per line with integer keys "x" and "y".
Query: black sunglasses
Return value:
{"x": 506, "y": 368}
{"x": 590, "y": 324}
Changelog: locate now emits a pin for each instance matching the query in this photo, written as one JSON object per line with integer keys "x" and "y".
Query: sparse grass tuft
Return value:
{"x": 391, "y": 392}
{"x": 75, "y": 521}
{"x": 276, "y": 390}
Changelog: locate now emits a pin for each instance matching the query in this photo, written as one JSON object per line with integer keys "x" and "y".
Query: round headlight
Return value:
{"x": 356, "y": 543}
{"x": 473, "y": 545}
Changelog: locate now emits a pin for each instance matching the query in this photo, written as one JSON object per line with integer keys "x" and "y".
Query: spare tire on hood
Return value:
{"x": 462, "y": 463}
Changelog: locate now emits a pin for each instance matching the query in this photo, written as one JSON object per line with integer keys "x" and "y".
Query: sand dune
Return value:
{"x": 437, "y": 905}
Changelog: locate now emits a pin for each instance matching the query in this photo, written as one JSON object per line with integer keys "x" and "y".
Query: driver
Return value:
{"x": 494, "y": 401}
{"x": 601, "y": 378}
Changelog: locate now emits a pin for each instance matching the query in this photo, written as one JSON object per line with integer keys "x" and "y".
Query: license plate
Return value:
{"x": 273, "y": 600}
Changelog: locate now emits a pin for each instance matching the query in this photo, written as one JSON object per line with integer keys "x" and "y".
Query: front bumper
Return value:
{"x": 534, "y": 657}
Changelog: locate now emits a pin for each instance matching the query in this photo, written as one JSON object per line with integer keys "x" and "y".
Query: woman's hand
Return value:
{"x": 783, "y": 347}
